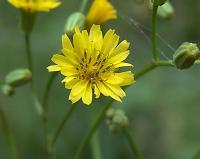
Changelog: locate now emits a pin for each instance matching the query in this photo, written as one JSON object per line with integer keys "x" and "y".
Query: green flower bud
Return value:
{"x": 76, "y": 19}
{"x": 116, "y": 120}
{"x": 7, "y": 90}
{"x": 186, "y": 55}
{"x": 27, "y": 21}
{"x": 18, "y": 77}
{"x": 166, "y": 11}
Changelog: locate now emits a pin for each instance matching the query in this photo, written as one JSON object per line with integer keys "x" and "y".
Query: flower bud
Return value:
{"x": 18, "y": 77}
{"x": 116, "y": 120}
{"x": 186, "y": 55}
{"x": 166, "y": 11}
{"x": 7, "y": 90}
{"x": 76, "y": 19}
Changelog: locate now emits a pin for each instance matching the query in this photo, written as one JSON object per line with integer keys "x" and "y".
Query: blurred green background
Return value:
{"x": 163, "y": 106}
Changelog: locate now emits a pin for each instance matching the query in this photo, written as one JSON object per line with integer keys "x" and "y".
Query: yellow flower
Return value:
{"x": 100, "y": 12}
{"x": 35, "y": 5}
{"x": 92, "y": 64}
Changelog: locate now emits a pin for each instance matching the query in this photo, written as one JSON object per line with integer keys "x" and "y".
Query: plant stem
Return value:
{"x": 48, "y": 90}
{"x": 83, "y": 6}
{"x": 8, "y": 135}
{"x": 132, "y": 143}
{"x": 95, "y": 146}
{"x": 152, "y": 66}
{"x": 51, "y": 144}
{"x": 45, "y": 107}
{"x": 28, "y": 51}
{"x": 94, "y": 126}
{"x": 145, "y": 70}
{"x": 153, "y": 36}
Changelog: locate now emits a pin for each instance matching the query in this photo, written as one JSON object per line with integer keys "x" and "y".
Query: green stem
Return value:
{"x": 8, "y": 135}
{"x": 51, "y": 144}
{"x": 132, "y": 143}
{"x": 48, "y": 90}
{"x": 45, "y": 108}
{"x": 153, "y": 36}
{"x": 94, "y": 126}
{"x": 95, "y": 146}
{"x": 152, "y": 66}
{"x": 28, "y": 51}
{"x": 83, "y": 6}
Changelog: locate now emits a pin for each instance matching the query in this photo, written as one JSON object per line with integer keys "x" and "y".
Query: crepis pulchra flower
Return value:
{"x": 91, "y": 65}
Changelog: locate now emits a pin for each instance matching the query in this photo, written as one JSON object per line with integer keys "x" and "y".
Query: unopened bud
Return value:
{"x": 18, "y": 77}
{"x": 186, "y": 55}
{"x": 74, "y": 20}
{"x": 116, "y": 120}
{"x": 7, "y": 90}
{"x": 166, "y": 11}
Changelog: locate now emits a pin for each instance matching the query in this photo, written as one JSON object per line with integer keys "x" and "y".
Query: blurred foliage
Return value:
{"x": 163, "y": 106}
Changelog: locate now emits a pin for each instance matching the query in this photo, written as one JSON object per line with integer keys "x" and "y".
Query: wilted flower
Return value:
{"x": 92, "y": 63}
{"x": 100, "y": 12}
{"x": 35, "y": 5}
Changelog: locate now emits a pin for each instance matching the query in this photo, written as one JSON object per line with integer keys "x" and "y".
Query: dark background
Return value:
{"x": 163, "y": 106}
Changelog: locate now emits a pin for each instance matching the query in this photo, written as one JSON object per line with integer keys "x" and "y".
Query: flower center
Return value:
{"x": 93, "y": 68}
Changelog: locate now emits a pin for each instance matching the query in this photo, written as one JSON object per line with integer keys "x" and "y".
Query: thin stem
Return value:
{"x": 132, "y": 143}
{"x": 8, "y": 135}
{"x": 61, "y": 126}
{"x": 45, "y": 107}
{"x": 153, "y": 36}
{"x": 28, "y": 51}
{"x": 47, "y": 90}
{"x": 152, "y": 66}
{"x": 95, "y": 146}
{"x": 145, "y": 70}
{"x": 83, "y": 6}
{"x": 94, "y": 126}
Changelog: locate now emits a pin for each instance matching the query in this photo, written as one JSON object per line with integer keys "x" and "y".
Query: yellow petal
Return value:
{"x": 110, "y": 42}
{"x": 87, "y": 96}
{"x": 53, "y": 68}
{"x": 114, "y": 79}
{"x": 122, "y": 47}
{"x": 96, "y": 91}
{"x": 123, "y": 64}
{"x": 66, "y": 43}
{"x": 70, "y": 82}
{"x": 127, "y": 76}
{"x": 79, "y": 87}
{"x": 118, "y": 58}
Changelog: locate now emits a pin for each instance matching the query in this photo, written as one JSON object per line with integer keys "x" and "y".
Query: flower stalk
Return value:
{"x": 153, "y": 36}
{"x": 132, "y": 143}
{"x": 8, "y": 135}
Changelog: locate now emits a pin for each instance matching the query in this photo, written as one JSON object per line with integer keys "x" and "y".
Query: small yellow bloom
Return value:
{"x": 91, "y": 65}
{"x": 35, "y": 5}
{"x": 100, "y": 12}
